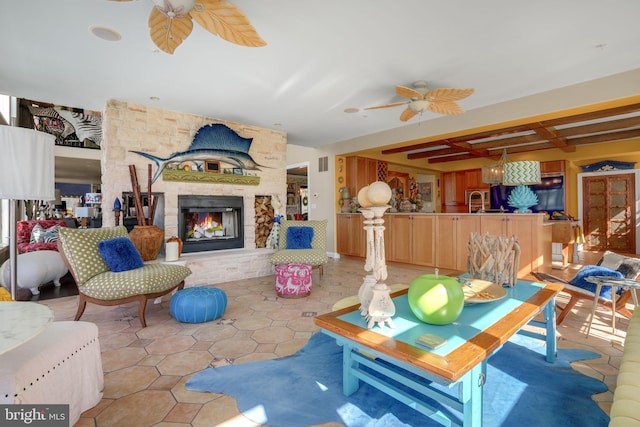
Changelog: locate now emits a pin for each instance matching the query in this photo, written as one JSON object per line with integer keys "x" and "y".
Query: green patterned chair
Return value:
{"x": 316, "y": 257}
{"x": 99, "y": 285}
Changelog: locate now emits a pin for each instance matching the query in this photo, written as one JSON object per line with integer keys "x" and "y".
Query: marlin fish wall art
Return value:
{"x": 211, "y": 142}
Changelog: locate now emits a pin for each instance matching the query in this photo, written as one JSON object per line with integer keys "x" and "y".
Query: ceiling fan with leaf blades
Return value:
{"x": 441, "y": 101}
{"x": 171, "y": 22}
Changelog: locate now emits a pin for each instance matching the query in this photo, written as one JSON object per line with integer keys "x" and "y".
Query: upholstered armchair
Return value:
{"x": 297, "y": 243}
{"x": 109, "y": 270}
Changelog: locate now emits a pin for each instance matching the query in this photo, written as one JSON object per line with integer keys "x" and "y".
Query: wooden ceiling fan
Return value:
{"x": 171, "y": 22}
{"x": 421, "y": 99}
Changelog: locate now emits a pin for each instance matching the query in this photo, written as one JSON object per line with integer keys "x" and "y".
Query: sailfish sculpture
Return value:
{"x": 211, "y": 142}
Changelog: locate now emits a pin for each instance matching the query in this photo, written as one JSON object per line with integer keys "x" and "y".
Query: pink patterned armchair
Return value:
{"x": 25, "y": 229}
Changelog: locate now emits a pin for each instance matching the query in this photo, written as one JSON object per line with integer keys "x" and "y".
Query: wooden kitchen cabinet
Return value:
{"x": 350, "y": 235}
{"x": 455, "y": 186}
{"x": 532, "y": 233}
{"x": 411, "y": 239}
{"x": 361, "y": 171}
{"x": 452, "y": 237}
{"x": 351, "y": 238}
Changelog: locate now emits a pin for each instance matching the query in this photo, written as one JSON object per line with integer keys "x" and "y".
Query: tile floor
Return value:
{"x": 145, "y": 369}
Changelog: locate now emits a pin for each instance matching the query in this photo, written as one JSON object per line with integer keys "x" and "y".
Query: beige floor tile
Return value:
{"x": 148, "y": 367}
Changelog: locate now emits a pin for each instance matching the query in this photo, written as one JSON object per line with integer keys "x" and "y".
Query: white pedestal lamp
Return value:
{"x": 27, "y": 172}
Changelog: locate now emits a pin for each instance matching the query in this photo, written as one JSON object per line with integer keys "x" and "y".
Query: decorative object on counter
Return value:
{"x": 494, "y": 259}
{"x": 522, "y": 174}
{"x": 405, "y": 205}
{"x": 176, "y": 245}
{"x": 26, "y": 173}
{"x": 146, "y": 237}
{"x": 117, "y": 208}
{"x": 435, "y": 299}
{"x": 522, "y": 198}
{"x": 375, "y": 302}
{"x": 345, "y": 204}
{"x": 493, "y": 174}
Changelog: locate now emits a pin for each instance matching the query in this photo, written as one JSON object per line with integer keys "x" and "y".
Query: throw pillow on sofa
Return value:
{"x": 299, "y": 237}
{"x": 120, "y": 254}
{"x": 42, "y": 235}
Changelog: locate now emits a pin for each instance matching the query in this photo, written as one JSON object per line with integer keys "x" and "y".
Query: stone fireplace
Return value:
{"x": 209, "y": 223}
{"x": 133, "y": 127}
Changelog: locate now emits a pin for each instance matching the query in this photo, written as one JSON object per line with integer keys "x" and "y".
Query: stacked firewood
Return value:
{"x": 264, "y": 220}
{"x": 494, "y": 259}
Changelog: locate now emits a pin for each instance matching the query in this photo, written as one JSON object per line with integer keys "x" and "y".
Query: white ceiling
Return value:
{"x": 321, "y": 57}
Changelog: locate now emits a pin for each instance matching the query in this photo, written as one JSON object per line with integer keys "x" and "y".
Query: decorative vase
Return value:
{"x": 522, "y": 198}
{"x": 176, "y": 239}
{"x": 148, "y": 240}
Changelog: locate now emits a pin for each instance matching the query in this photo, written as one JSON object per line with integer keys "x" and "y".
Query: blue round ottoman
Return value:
{"x": 198, "y": 304}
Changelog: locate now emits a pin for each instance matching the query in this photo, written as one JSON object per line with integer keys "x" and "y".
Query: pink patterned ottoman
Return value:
{"x": 293, "y": 280}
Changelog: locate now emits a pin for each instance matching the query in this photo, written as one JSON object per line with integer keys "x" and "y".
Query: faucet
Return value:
{"x": 481, "y": 210}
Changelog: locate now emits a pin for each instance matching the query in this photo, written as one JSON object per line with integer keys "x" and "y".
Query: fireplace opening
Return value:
{"x": 209, "y": 223}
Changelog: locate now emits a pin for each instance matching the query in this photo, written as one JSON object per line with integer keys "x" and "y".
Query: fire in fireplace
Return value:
{"x": 209, "y": 223}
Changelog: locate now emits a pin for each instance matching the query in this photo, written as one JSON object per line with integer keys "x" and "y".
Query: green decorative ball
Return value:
{"x": 436, "y": 301}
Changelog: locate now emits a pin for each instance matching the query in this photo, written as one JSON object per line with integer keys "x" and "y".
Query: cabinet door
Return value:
{"x": 445, "y": 241}
{"x": 531, "y": 237}
{"x": 422, "y": 240}
{"x": 523, "y": 228}
{"x": 350, "y": 235}
{"x": 400, "y": 244}
{"x": 495, "y": 225}
{"x": 465, "y": 225}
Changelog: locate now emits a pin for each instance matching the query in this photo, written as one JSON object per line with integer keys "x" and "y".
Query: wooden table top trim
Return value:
{"x": 459, "y": 361}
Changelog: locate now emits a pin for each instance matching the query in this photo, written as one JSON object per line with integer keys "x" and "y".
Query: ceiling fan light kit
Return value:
{"x": 440, "y": 101}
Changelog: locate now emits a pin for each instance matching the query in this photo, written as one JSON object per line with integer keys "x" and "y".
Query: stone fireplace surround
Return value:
{"x": 128, "y": 127}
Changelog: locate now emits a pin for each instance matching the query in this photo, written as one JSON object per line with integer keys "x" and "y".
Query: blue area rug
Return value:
{"x": 306, "y": 389}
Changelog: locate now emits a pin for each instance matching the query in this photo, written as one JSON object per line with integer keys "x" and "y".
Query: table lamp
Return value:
{"x": 27, "y": 172}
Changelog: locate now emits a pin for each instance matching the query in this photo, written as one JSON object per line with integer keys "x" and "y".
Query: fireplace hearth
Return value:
{"x": 209, "y": 223}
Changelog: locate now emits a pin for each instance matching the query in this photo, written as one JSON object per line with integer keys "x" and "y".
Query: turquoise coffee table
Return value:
{"x": 452, "y": 374}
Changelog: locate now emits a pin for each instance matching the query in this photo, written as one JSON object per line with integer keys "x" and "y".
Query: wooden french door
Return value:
{"x": 609, "y": 213}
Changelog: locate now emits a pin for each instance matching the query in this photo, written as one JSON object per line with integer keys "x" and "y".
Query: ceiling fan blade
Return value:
{"x": 407, "y": 114}
{"x": 445, "y": 107}
{"x": 168, "y": 33}
{"x": 223, "y": 19}
{"x": 394, "y": 104}
{"x": 407, "y": 92}
{"x": 448, "y": 94}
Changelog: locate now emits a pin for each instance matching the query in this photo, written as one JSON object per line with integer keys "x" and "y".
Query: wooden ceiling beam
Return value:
{"x": 564, "y": 133}
{"x": 551, "y": 135}
{"x": 594, "y": 115}
{"x": 600, "y": 127}
{"x": 469, "y": 148}
{"x": 433, "y": 153}
{"x": 451, "y": 158}
{"x": 422, "y": 146}
{"x": 608, "y": 137}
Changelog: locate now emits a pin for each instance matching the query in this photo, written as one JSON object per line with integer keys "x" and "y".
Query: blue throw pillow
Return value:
{"x": 299, "y": 237}
{"x": 120, "y": 254}
{"x": 594, "y": 270}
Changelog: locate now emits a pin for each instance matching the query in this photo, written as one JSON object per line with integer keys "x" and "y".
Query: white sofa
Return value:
{"x": 625, "y": 411}
{"x": 61, "y": 365}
